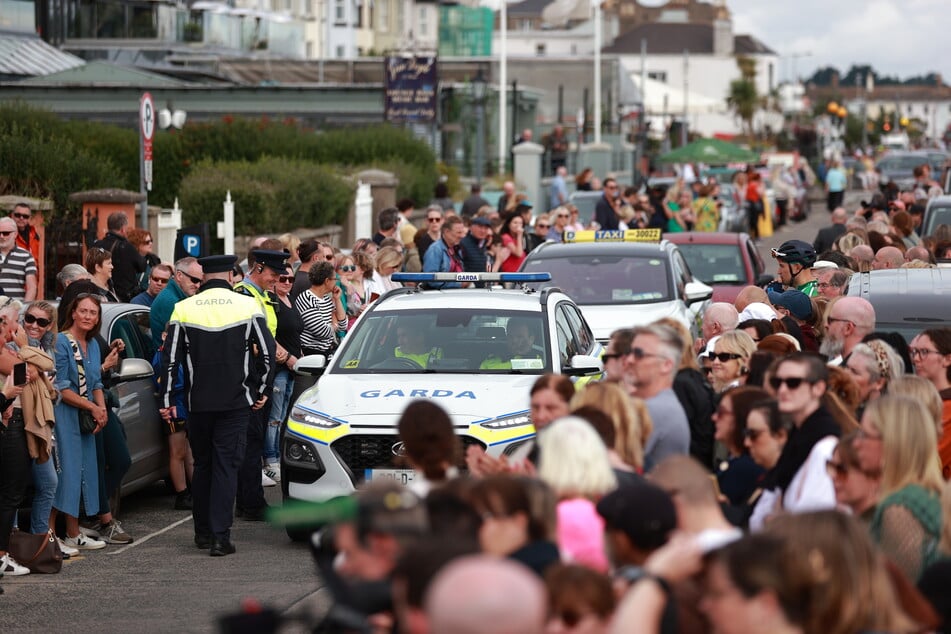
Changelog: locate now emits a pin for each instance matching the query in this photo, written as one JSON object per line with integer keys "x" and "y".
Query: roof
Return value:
{"x": 461, "y": 299}
{"x": 916, "y": 296}
{"x": 105, "y": 74}
{"x": 29, "y": 56}
{"x": 528, "y": 8}
{"x": 707, "y": 237}
{"x": 672, "y": 38}
{"x": 560, "y": 249}
{"x": 107, "y": 196}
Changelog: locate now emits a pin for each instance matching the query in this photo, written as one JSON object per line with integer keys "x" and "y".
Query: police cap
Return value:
{"x": 276, "y": 260}
{"x": 217, "y": 263}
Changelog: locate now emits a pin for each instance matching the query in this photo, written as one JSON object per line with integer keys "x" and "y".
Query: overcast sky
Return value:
{"x": 897, "y": 37}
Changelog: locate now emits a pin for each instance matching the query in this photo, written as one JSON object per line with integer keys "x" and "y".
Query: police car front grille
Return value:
{"x": 375, "y": 451}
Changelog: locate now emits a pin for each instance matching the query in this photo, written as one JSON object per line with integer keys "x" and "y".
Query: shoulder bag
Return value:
{"x": 39, "y": 553}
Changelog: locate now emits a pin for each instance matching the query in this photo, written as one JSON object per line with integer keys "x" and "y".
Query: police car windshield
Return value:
{"x": 715, "y": 263}
{"x": 606, "y": 279}
{"x": 460, "y": 341}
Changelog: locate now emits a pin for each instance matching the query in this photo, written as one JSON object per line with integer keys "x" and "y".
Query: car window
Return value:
{"x": 681, "y": 271}
{"x": 582, "y": 332}
{"x": 754, "y": 260}
{"x": 133, "y": 328}
{"x": 446, "y": 341}
{"x": 606, "y": 279}
{"x": 937, "y": 216}
{"x": 567, "y": 347}
{"x": 715, "y": 263}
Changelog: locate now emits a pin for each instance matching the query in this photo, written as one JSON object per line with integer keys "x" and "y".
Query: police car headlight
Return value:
{"x": 305, "y": 417}
{"x": 508, "y": 422}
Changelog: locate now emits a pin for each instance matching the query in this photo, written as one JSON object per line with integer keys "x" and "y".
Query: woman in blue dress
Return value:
{"x": 79, "y": 381}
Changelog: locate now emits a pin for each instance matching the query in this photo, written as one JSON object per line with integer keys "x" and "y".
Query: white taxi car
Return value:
{"x": 622, "y": 278}
{"x": 474, "y": 351}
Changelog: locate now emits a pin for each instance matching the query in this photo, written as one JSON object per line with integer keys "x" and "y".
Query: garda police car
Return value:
{"x": 474, "y": 351}
{"x": 622, "y": 278}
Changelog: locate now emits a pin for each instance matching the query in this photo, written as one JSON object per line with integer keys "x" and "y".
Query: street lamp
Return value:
{"x": 478, "y": 95}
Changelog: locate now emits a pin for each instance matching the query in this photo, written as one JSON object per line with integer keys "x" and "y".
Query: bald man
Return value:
{"x": 863, "y": 256}
{"x": 750, "y": 295}
{"x": 719, "y": 318}
{"x": 918, "y": 253}
{"x": 888, "y": 258}
{"x": 485, "y": 595}
{"x": 848, "y": 321}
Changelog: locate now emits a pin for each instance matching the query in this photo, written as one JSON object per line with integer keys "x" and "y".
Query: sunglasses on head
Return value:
{"x": 348, "y": 268}
{"x": 792, "y": 382}
{"x": 33, "y": 319}
{"x": 286, "y": 279}
{"x": 723, "y": 357}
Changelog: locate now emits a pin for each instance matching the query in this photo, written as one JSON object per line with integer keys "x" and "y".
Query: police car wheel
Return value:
{"x": 398, "y": 363}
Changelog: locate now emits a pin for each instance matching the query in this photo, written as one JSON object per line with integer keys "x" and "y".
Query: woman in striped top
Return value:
{"x": 321, "y": 309}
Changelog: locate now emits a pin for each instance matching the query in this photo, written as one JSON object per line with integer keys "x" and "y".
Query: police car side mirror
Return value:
{"x": 697, "y": 292}
{"x": 130, "y": 369}
{"x": 583, "y": 365}
{"x": 313, "y": 364}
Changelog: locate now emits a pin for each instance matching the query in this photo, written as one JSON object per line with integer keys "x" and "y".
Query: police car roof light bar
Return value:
{"x": 471, "y": 277}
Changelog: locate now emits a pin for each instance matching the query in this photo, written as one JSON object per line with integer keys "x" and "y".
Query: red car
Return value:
{"x": 725, "y": 261}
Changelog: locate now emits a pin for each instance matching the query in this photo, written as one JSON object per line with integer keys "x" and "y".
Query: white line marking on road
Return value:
{"x": 141, "y": 541}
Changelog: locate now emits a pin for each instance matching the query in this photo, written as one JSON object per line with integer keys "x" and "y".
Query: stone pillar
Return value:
{"x": 597, "y": 156}
{"x": 528, "y": 172}
{"x": 383, "y": 190}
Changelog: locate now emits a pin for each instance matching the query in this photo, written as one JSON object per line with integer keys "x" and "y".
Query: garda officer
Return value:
{"x": 265, "y": 266}
{"x": 228, "y": 371}
{"x": 520, "y": 342}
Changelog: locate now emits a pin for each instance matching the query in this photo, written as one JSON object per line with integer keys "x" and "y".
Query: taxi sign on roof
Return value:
{"x": 618, "y": 235}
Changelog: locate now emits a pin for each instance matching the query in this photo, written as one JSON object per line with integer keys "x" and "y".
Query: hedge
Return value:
{"x": 271, "y": 195}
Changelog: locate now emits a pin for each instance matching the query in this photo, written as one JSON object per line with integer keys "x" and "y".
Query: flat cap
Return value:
{"x": 217, "y": 263}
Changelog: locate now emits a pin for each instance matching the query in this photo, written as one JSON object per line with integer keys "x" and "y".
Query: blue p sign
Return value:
{"x": 192, "y": 244}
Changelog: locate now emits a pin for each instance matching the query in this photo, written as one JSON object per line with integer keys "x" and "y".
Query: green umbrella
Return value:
{"x": 711, "y": 152}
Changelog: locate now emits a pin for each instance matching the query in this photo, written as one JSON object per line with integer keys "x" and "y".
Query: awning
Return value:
{"x": 29, "y": 56}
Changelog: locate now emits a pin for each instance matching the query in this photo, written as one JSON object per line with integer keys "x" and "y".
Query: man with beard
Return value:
{"x": 848, "y": 321}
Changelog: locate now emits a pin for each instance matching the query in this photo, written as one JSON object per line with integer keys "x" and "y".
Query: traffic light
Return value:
{"x": 887, "y": 127}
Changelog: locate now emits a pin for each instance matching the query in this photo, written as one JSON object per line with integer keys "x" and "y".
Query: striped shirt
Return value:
{"x": 16, "y": 266}
{"x": 320, "y": 327}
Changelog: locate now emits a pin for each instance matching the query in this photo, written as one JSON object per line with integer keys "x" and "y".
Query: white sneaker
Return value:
{"x": 67, "y": 550}
{"x": 84, "y": 542}
{"x": 267, "y": 481}
{"x": 9, "y": 566}
{"x": 273, "y": 471}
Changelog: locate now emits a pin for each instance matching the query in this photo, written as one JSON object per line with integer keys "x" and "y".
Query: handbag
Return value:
{"x": 87, "y": 424}
{"x": 39, "y": 553}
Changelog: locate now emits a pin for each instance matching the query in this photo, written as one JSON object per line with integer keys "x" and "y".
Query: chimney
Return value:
{"x": 722, "y": 37}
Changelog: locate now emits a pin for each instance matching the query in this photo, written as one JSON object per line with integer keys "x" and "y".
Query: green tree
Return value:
{"x": 743, "y": 98}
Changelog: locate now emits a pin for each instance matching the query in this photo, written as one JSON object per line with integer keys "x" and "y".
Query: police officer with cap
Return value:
{"x": 221, "y": 340}
{"x": 265, "y": 266}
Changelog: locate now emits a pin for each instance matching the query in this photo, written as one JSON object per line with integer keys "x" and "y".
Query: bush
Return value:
{"x": 272, "y": 195}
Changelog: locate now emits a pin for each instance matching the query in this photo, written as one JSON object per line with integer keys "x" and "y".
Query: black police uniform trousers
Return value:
{"x": 218, "y": 441}
{"x": 250, "y": 492}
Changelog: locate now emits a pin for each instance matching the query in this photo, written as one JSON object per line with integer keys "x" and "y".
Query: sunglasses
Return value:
{"x": 638, "y": 354}
{"x": 329, "y": 258}
{"x": 792, "y": 382}
{"x": 434, "y": 219}
{"x": 348, "y": 268}
{"x": 610, "y": 356}
{"x": 542, "y": 225}
{"x": 286, "y": 279}
{"x": 752, "y": 434}
{"x": 723, "y": 357}
{"x": 149, "y": 241}
{"x": 194, "y": 280}
{"x": 33, "y": 319}
{"x": 159, "y": 280}
{"x": 22, "y": 216}
{"x": 834, "y": 468}
{"x": 6, "y": 233}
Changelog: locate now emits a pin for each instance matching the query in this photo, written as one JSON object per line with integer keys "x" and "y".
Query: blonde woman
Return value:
{"x": 873, "y": 366}
{"x": 387, "y": 262}
{"x": 631, "y": 420}
{"x": 897, "y": 439}
{"x": 574, "y": 462}
{"x": 923, "y": 391}
{"x": 731, "y": 358}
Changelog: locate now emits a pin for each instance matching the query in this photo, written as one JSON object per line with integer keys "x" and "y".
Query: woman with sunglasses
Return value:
{"x": 730, "y": 359}
{"x": 142, "y": 241}
{"x": 79, "y": 381}
{"x": 290, "y": 325}
{"x": 99, "y": 264}
{"x": 738, "y": 476}
{"x": 355, "y": 270}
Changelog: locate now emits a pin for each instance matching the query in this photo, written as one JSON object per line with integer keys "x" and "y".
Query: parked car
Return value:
{"x": 906, "y": 301}
{"x": 725, "y": 261}
{"x": 937, "y": 213}
{"x": 898, "y": 167}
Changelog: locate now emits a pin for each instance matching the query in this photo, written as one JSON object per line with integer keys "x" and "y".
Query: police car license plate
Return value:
{"x": 400, "y": 476}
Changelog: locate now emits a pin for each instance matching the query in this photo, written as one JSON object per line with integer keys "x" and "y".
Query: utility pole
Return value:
{"x": 683, "y": 129}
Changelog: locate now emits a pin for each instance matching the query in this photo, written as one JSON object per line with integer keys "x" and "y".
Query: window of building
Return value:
{"x": 423, "y": 22}
{"x": 540, "y": 50}
{"x": 383, "y": 17}
{"x": 340, "y": 11}
{"x": 658, "y": 75}
{"x": 341, "y": 51}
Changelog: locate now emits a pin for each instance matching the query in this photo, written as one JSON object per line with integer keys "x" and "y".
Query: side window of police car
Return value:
{"x": 681, "y": 272}
{"x": 583, "y": 335}
{"x": 566, "y": 342}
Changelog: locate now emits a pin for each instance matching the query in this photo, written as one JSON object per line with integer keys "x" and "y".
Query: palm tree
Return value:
{"x": 742, "y": 97}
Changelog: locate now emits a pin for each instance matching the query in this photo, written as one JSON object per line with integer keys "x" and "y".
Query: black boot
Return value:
{"x": 183, "y": 501}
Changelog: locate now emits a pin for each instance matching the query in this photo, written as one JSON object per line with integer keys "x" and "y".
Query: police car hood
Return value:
{"x": 606, "y": 319}
{"x": 380, "y": 399}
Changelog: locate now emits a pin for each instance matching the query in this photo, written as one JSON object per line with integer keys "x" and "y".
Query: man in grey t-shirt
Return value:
{"x": 652, "y": 364}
